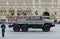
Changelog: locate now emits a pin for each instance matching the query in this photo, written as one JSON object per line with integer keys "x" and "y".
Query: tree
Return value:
{"x": 53, "y": 16}
{"x": 36, "y": 12}
{"x": 7, "y": 16}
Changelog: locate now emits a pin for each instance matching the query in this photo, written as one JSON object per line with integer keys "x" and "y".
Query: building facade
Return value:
{"x": 39, "y": 7}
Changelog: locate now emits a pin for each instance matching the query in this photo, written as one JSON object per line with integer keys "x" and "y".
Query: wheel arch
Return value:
{"x": 47, "y": 23}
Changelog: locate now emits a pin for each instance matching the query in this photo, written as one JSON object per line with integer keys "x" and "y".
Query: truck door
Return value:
{"x": 38, "y": 20}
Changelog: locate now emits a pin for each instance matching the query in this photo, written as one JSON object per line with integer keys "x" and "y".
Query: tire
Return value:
{"x": 16, "y": 28}
{"x": 24, "y": 28}
{"x": 46, "y": 28}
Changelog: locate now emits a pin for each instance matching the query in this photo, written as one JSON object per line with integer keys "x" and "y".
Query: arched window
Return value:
{"x": 19, "y": 11}
{"x": 3, "y": 10}
{"x": 11, "y": 11}
{"x": 28, "y": 10}
{"x": 46, "y": 15}
{"x": 24, "y": 12}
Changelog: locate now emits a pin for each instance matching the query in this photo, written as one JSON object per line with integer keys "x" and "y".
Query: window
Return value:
{"x": 24, "y": 12}
{"x": 20, "y": 3}
{"x": 11, "y": 3}
{"x": 55, "y": 2}
{"x": 2, "y": 3}
{"x": 28, "y": 10}
{"x": 28, "y": 2}
{"x": 36, "y": 2}
{"x": 19, "y": 11}
{"x": 3, "y": 10}
{"x": 46, "y": 2}
{"x": 11, "y": 10}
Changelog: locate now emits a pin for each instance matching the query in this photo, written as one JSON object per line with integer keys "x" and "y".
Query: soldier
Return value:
{"x": 3, "y": 29}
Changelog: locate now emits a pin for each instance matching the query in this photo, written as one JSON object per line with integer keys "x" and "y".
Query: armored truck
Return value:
{"x": 24, "y": 22}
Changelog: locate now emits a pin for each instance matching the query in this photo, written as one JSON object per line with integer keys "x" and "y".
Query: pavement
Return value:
{"x": 32, "y": 33}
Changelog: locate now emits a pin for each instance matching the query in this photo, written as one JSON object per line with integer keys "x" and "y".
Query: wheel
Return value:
{"x": 24, "y": 28}
{"x": 46, "y": 28}
{"x": 16, "y": 28}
